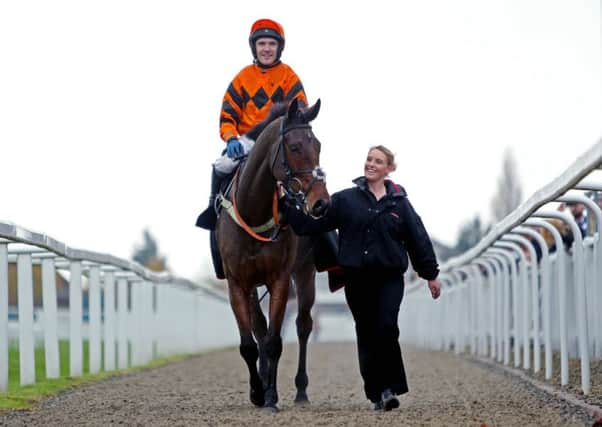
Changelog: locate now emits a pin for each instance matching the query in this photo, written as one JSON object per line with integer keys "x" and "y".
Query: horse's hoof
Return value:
{"x": 301, "y": 399}
{"x": 257, "y": 398}
{"x": 273, "y": 409}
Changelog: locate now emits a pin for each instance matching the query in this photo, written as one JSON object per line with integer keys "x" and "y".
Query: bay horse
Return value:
{"x": 285, "y": 151}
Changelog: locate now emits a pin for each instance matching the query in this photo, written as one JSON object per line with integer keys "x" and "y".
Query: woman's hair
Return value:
{"x": 388, "y": 154}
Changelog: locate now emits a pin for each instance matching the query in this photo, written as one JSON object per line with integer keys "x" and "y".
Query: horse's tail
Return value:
{"x": 277, "y": 110}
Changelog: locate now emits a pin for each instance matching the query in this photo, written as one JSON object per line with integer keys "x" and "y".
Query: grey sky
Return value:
{"x": 109, "y": 110}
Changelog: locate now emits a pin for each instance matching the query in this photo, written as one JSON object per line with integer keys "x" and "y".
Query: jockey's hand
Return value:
{"x": 234, "y": 148}
{"x": 435, "y": 288}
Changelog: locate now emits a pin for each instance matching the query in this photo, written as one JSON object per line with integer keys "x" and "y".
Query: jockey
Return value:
{"x": 247, "y": 102}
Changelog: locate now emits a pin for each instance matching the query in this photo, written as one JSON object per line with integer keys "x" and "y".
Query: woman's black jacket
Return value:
{"x": 372, "y": 234}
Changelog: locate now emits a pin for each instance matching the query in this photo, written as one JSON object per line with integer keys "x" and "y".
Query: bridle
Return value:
{"x": 292, "y": 184}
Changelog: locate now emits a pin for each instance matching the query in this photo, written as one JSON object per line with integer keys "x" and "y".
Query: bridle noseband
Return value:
{"x": 292, "y": 176}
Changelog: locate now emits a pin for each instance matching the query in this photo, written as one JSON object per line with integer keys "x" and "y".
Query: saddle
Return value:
{"x": 223, "y": 190}
{"x": 216, "y": 257}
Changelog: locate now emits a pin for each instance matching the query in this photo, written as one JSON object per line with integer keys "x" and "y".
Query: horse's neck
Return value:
{"x": 255, "y": 189}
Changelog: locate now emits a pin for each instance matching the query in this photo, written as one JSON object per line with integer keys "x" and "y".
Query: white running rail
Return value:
{"x": 499, "y": 300}
{"x": 161, "y": 315}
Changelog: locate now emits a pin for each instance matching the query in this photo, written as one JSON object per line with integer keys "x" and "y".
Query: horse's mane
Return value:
{"x": 277, "y": 110}
{"x": 265, "y": 133}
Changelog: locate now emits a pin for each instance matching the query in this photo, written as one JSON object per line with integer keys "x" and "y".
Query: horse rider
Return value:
{"x": 247, "y": 102}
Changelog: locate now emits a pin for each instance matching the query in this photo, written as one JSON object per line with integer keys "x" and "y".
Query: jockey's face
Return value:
{"x": 376, "y": 167}
{"x": 267, "y": 50}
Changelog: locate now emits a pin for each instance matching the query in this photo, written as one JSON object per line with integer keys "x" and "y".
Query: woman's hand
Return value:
{"x": 281, "y": 191}
{"x": 435, "y": 288}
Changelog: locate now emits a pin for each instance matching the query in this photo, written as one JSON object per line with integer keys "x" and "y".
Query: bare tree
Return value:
{"x": 509, "y": 192}
{"x": 469, "y": 235}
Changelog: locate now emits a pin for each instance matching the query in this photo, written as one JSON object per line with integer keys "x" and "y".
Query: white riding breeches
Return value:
{"x": 225, "y": 164}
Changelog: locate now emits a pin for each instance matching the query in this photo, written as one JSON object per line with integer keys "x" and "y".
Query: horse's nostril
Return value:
{"x": 319, "y": 208}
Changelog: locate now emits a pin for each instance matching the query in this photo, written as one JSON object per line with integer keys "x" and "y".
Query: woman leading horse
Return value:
{"x": 378, "y": 229}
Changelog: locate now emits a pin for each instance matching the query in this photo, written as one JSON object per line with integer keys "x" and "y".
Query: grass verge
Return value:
{"x": 23, "y": 397}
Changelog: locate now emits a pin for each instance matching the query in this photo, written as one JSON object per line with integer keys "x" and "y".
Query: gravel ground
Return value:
{"x": 212, "y": 390}
{"x": 574, "y": 386}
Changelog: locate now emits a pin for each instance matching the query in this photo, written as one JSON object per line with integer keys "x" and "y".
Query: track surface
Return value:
{"x": 212, "y": 390}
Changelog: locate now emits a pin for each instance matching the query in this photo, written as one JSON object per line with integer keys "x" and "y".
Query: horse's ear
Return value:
{"x": 293, "y": 110}
{"x": 312, "y": 112}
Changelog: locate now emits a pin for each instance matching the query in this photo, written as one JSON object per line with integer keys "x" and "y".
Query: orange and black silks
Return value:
{"x": 251, "y": 95}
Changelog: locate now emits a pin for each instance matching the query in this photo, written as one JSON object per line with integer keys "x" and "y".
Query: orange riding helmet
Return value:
{"x": 266, "y": 28}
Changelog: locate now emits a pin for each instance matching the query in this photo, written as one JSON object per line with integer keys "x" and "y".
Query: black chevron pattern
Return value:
{"x": 261, "y": 98}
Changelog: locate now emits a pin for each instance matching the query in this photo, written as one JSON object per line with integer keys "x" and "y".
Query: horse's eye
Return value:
{"x": 295, "y": 148}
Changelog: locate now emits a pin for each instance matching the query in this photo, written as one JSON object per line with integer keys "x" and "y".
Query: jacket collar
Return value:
{"x": 264, "y": 68}
{"x": 393, "y": 189}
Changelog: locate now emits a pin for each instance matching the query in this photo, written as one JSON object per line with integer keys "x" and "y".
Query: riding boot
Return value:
{"x": 208, "y": 217}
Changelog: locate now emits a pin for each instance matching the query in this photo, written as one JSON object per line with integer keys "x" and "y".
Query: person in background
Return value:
{"x": 378, "y": 229}
{"x": 578, "y": 212}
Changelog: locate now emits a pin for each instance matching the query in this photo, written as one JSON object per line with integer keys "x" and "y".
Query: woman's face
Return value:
{"x": 267, "y": 50}
{"x": 376, "y": 167}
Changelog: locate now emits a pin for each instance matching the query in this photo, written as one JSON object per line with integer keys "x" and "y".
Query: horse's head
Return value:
{"x": 296, "y": 160}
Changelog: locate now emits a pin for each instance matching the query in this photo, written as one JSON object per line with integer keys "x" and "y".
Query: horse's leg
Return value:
{"x": 306, "y": 293}
{"x": 260, "y": 328}
{"x": 239, "y": 300}
{"x": 273, "y": 340}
